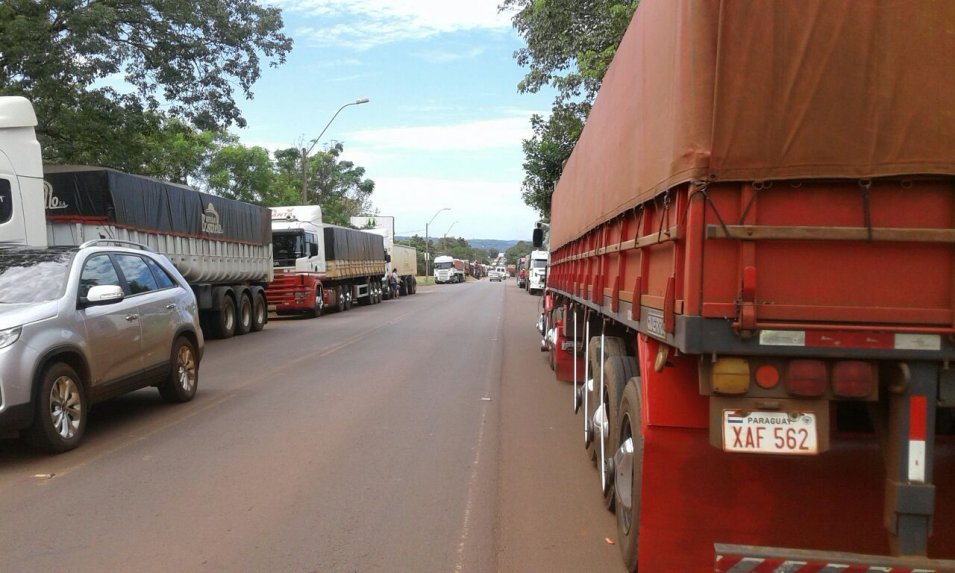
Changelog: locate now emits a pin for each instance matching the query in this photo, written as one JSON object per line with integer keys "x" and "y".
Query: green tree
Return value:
{"x": 340, "y": 187}
{"x": 246, "y": 174}
{"x": 521, "y": 249}
{"x": 187, "y": 57}
{"x": 569, "y": 46}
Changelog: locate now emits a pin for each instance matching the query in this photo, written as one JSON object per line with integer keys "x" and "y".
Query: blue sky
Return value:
{"x": 444, "y": 124}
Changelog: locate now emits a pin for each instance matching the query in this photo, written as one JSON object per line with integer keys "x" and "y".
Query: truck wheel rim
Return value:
{"x": 186, "y": 368}
{"x": 623, "y": 466}
{"x": 66, "y": 408}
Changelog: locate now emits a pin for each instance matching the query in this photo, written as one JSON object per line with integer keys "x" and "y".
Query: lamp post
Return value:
{"x": 427, "y": 242}
{"x": 305, "y": 152}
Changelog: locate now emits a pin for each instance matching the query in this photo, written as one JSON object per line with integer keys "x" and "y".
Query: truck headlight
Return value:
{"x": 9, "y": 336}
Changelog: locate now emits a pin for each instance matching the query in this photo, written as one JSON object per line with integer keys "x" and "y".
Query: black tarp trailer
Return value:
{"x": 222, "y": 247}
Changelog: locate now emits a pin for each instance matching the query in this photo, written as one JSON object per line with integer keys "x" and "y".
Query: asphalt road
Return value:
{"x": 423, "y": 434}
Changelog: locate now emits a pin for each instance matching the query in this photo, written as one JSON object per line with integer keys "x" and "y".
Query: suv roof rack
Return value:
{"x": 118, "y": 242}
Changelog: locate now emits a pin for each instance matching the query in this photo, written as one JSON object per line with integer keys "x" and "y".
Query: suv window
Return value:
{"x": 98, "y": 270}
{"x": 160, "y": 274}
{"x": 137, "y": 274}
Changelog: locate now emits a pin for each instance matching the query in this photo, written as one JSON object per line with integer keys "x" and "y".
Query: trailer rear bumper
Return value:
{"x": 748, "y": 558}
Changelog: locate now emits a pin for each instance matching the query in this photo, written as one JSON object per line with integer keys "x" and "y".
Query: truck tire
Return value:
{"x": 339, "y": 299}
{"x": 183, "y": 378}
{"x": 260, "y": 311}
{"x": 618, "y": 370}
{"x": 243, "y": 323}
{"x": 613, "y": 346}
{"x": 348, "y": 290}
{"x": 223, "y": 320}
{"x": 59, "y": 421}
{"x": 316, "y": 311}
{"x": 414, "y": 285}
{"x": 629, "y": 473}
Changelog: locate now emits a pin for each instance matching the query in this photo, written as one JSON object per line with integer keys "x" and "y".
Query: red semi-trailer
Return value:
{"x": 752, "y": 285}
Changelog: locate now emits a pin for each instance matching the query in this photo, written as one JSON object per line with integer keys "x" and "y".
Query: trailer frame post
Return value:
{"x": 909, "y": 452}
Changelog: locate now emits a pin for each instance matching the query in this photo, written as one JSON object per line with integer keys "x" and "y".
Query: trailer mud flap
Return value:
{"x": 747, "y": 559}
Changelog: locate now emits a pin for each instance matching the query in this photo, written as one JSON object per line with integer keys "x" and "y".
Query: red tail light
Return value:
{"x": 853, "y": 379}
{"x": 806, "y": 378}
{"x": 767, "y": 376}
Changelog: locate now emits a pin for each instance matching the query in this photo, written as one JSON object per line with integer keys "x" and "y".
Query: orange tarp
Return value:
{"x": 746, "y": 90}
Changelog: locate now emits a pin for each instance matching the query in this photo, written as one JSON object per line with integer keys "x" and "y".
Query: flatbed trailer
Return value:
{"x": 752, "y": 286}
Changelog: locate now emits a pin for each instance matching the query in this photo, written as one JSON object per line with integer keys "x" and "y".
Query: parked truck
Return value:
{"x": 401, "y": 258}
{"x": 537, "y": 271}
{"x": 448, "y": 269}
{"x": 222, "y": 247}
{"x": 319, "y": 266}
{"x": 751, "y": 286}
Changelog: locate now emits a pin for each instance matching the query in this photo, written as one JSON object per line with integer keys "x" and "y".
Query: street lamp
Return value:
{"x": 305, "y": 152}
{"x": 427, "y": 243}
{"x": 449, "y": 229}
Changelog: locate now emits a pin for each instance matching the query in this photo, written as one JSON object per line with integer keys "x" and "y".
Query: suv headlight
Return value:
{"x": 9, "y": 336}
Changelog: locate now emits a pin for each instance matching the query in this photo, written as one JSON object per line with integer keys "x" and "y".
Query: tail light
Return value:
{"x": 806, "y": 378}
{"x": 731, "y": 376}
{"x": 853, "y": 379}
{"x": 767, "y": 376}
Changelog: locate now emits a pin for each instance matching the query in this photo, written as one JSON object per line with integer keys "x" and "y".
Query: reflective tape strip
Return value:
{"x": 737, "y": 564}
{"x": 917, "y": 422}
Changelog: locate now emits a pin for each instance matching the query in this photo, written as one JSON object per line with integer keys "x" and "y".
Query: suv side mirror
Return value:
{"x": 103, "y": 294}
{"x": 538, "y": 237}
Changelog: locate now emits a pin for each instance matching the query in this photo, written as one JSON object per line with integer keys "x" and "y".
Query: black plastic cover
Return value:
{"x": 352, "y": 245}
{"x": 107, "y": 196}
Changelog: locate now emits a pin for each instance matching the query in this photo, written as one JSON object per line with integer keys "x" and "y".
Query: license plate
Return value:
{"x": 790, "y": 433}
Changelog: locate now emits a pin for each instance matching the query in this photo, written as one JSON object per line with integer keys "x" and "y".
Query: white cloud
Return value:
{"x": 474, "y": 135}
{"x": 436, "y": 57}
{"x": 478, "y": 209}
{"x": 366, "y": 23}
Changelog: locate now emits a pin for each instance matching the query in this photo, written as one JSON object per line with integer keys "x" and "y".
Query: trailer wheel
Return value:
{"x": 244, "y": 323}
{"x": 348, "y": 299}
{"x": 617, "y": 371}
{"x": 260, "y": 311}
{"x": 224, "y": 319}
{"x": 628, "y": 470}
{"x": 414, "y": 285}
{"x": 613, "y": 346}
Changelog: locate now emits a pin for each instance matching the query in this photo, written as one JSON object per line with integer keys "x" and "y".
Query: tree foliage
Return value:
{"x": 569, "y": 46}
{"x": 182, "y": 59}
{"x": 521, "y": 249}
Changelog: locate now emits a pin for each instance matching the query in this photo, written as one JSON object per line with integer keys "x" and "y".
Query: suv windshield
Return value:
{"x": 33, "y": 275}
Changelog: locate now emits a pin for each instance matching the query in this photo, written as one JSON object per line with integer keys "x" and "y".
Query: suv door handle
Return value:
{"x": 131, "y": 317}
{"x": 171, "y": 306}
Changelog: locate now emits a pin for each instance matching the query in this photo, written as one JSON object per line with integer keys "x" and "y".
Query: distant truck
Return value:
{"x": 751, "y": 286}
{"x": 320, "y": 266}
{"x": 537, "y": 263}
{"x": 402, "y": 258}
{"x": 220, "y": 246}
{"x": 448, "y": 269}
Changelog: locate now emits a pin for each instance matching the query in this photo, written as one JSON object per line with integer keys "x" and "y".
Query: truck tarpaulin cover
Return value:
{"x": 344, "y": 244}
{"x": 99, "y": 195}
{"x": 741, "y": 90}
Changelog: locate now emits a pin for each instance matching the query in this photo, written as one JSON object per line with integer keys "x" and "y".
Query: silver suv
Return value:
{"x": 82, "y": 324}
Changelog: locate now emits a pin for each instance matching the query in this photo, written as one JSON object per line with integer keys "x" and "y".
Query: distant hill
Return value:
{"x": 499, "y": 244}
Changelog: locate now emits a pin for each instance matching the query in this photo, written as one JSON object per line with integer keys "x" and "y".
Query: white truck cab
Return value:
{"x": 444, "y": 269}
{"x": 537, "y": 264}
{"x": 22, "y": 205}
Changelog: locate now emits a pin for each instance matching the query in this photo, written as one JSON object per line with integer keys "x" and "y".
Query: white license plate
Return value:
{"x": 791, "y": 433}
